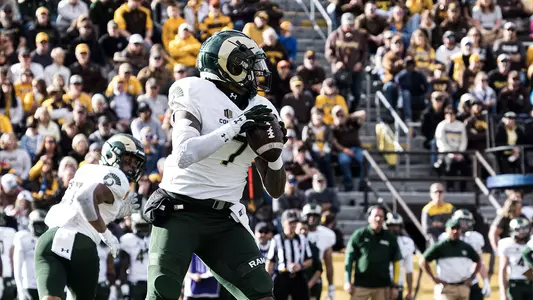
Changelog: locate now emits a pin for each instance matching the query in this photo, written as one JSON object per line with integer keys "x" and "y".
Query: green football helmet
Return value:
{"x": 232, "y": 57}
{"x": 120, "y": 146}
{"x": 139, "y": 225}
{"x": 466, "y": 218}
{"x": 36, "y": 225}
{"x": 520, "y": 228}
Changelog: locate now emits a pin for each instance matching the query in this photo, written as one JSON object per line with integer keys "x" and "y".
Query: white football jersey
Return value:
{"x": 137, "y": 249}
{"x": 24, "y": 253}
{"x": 67, "y": 213}
{"x": 323, "y": 238}
{"x": 103, "y": 254}
{"x": 407, "y": 248}
{"x": 221, "y": 176}
{"x": 513, "y": 250}
{"x": 7, "y": 235}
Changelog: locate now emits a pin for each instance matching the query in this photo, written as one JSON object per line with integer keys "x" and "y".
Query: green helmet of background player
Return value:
{"x": 520, "y": 229}
{"x": 466, "y": 218}
{"x": 117, "y": 148}
{"x": 233, "y": 58}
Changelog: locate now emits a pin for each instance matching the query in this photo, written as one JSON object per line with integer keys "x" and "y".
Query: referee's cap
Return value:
{"x": 290, "y": 215}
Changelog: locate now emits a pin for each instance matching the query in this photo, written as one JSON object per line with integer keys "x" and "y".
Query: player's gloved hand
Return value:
{"x": 284, "y": 130}
{"x": 331, "y": 292}
{"x": 125, "y": 290}
{"x": 486, "y": 290}
{"x": 255, "y": 117}
{"x": 130, "y": 204}
{"x": 111, "y": 241}
{"x": 23, "y": 294}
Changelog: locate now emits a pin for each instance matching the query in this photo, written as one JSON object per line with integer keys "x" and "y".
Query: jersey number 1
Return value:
{"x": 244, "y": 143}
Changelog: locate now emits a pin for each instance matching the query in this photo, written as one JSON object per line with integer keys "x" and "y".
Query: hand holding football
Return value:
{"x": 267, "y": 143}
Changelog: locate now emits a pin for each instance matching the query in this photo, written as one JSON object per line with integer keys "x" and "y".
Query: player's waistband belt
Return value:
{"x": 184, "y": 203}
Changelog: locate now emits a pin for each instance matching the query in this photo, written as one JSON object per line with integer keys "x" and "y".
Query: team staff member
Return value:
{"x": 454, "y": 267}
{"x": 372, "y": 249}
{"x": 292, "y": 254}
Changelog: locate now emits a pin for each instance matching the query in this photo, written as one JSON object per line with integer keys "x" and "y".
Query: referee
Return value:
{"x": 454, "y": 264}
{"x": 371, "y": 250}
{"x": 292, "y": 254}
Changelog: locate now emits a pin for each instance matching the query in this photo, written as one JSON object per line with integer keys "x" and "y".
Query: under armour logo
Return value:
{"x": 65, "y": 250}
{"x": 226, "y": 139}
{"x": 240, "y": 213}
{"x": 270, "y": 132}
{"x": 233, "y": 96}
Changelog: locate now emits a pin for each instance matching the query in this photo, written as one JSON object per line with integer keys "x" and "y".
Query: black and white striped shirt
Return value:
{"x": 285, "y": 251}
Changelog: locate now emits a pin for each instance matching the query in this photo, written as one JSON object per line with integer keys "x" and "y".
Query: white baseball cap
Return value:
{"x": 9, "y": 182}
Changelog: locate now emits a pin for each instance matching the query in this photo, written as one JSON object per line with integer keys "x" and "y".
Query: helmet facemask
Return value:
{"x": 243, "y": 59}
{"x": 38, "y": 228}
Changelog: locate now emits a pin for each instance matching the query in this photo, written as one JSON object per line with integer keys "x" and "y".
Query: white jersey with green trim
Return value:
{"x": 67, "y": 214}
{"x": 137, "y": 249}
{"x": 407, "y": 248}
{"x": 7, "y": 234}
{"x": 222, "y": 175}
{"x": 24, "y": 253}
{"x": 513, "y": 251}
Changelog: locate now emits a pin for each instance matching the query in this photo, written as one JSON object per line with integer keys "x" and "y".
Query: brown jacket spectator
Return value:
{"x": 135, "y": 54}
{"x": 392, "y": 61}
{"x": 133, "y": 18}
{"x": 373, "y": 25}
{"x": 476, "y": 127}
{"x": 301, "y": 101}
{"x": 311, "y": 73}
{"x": 514, "y": 97}
{"x": 156, "y": 69}
{"x": 347, "y": 48}
{"x": 454, "y": 22}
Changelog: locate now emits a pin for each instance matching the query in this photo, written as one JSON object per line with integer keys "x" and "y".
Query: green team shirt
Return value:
{"x": 372, "y": 252}
{"x": 454, "y": 259}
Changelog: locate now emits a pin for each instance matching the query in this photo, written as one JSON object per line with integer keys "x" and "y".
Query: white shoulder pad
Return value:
{"x": 262, "y": 100}
{"x": 127, "y": 241}
{"x": 188, "y": 93}
{"x": 503, "y": 244}
{"x": 475, "y": 239}
{"x": 443, "y": 236}
{"x": 328, "y": 235}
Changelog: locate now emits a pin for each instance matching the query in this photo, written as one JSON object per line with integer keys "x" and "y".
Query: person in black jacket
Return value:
{"x": 413, "y": 88}
{"x": 430, "y": 118}
{"x": 239, "y": 12}
{"x": 42, "y": 24}
{"x": 90, "y": 72}
{"x": 509, "y": 134}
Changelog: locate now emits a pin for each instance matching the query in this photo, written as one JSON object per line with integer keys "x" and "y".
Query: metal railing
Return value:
{"x": 479, "y": 182}
{"x": 396, "y": 196}
{"x": 311, "y": 15}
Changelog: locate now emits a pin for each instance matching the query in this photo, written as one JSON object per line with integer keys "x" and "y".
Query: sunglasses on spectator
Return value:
{"x": 148, "y": 136}
{"x": 439, "y": 99}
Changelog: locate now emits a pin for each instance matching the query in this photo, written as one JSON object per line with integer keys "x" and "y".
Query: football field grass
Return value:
{"x": 426, "y": 285}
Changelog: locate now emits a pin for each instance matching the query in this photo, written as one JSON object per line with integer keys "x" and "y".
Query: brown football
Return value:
{"x": 267, "y": 143}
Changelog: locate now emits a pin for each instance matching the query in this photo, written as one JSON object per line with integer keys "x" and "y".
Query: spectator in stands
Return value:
{"x": 293, "y": 198}
{"x": 101, "y": 12}
{"x": 347, "y": 52}
{"x": 24, "y": 57}
{"x": 180, "y": 71}
{"x": 75, "y": 93}
{"x": 68, "y": 11}
{"x": 436, "y": 212}
{"x": 329, "y": 97}
{"x": 171, "y": 25}
{"x": 132, "y": 84}
{"x": 311, "y": 73}
{"x": 89, "y": 71}
{"x": 291, "y": 123}
{"x": 104, "y": 131}
{"x": 453, "y": 22}
{"x": 214, "y": 22}
{"x": 372, "y": 25}
{"x": 323, "y": 196}
{"x": 10, "y": 189}
{"x": 428, "y": 26}
{"x": 513, "y": 9}
{"x": 509, "y": 134}
{"x": 273, "y": 48}
{"x": 81, "y": 120}
{"x": 68, "y": 132}
{"x": 299, "y": 100}
{"x": 511, "y": 46}
{"x": 256, "y": 28}
{"x": 86, "y": 35}
{"x": 14, "y": 155}
{"x": 440, "y": 82}
{"x": 281, "y": 80}
{"x": 499, "y": 229}
{"x": 135, "y": 54}
{"x": 288, "y": 147}
{"x": 152, "y": 149}
{"x": 477, "y": 127}
{"x": 487, "y": 17}
{"x": 156, "y": 69}
{"x": 468, "y": 75}
{"x": 146, "y": 119}
{"x": 318, "y": 138}
{"x": 23, "y": 86}
{"x": 393, "y": 64}
{"x": 451, "y": 137}
{"x": 42, "y": 24}
{"x": 158, "y": 103}
{"x": 346, "y": 133}
{"x": 498, "y": 78}
{"x": 461, "y": 60}
{"x": 46, "y": 127}
{"x": 57, "y": 66}
{"x": 133, "y": 18}
{"x": 31, "y": 138}
{"x": 484, "y": 93}
{"x": 420, "y": 50}
{"x": 41, "y": 54}
{"x": 195, "y": 11}
{"x": 185, "y": 47}
{"x": 80, "y": 147}
{"x": 289, "y": 42}
{"x": 463, "y": 109}
{"x": 447, "y": 49}
{"x": 9, "y": 23}
{"x": 274, "y": 12}
{"x": 301, "y": 166}
{"x": 123, "y": 104}
{"x": 35, "y": 97}
{"x": 413, "y": 88}
{"x": 111, "y": 42}
{"x": 239, "y": 11}
{"x": 44, "y": 185}
{"x": 514, "y": 97}
{"x": 101, "y": 108}
{"x": 10, "y": 105}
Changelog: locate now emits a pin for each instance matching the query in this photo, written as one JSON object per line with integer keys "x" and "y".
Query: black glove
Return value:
{"x": 284, "y": 130}
{"x": 256, "y": 117}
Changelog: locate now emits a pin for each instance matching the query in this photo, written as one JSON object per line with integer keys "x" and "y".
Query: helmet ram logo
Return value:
{"x": 238, "y": 67}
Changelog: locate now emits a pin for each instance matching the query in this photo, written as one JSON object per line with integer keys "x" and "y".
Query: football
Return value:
{"x": 267, "y": 143}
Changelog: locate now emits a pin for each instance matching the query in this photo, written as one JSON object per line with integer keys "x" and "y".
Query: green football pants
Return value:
{"x": 79, "y": 274}
{"x": 224, "y": 245}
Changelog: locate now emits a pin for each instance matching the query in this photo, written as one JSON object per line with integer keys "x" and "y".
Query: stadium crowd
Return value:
{"x": 73, "y": 73}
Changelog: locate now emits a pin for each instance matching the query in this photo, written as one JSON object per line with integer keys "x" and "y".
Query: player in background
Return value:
{"x": 23, "y": 255}
{"x": 314, "y": 273}
{"x": 106, "y": 275}
{"x": 263, "y": 236}
{"x": 324, "y": 238}
{"x": 66, "y": 254}
{"x": 513, "y": 284}
{"x": 394, "y": 224}
{"x": 206, "y": 173}
{"x": 8, "y": 288}
{"x": 476, "y": 240}
{"x": 134, "y": 258}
